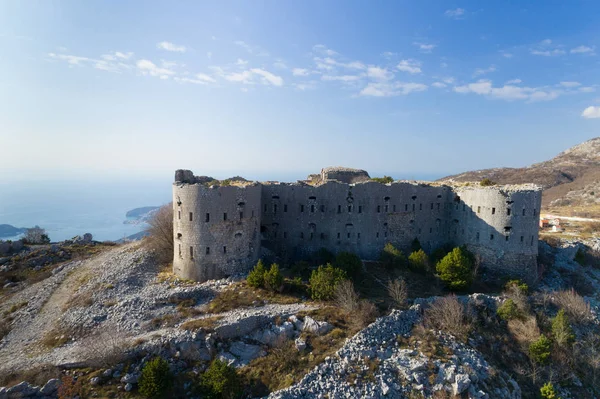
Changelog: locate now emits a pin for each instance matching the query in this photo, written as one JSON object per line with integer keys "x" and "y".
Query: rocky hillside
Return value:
{"x": 570, "y": 178}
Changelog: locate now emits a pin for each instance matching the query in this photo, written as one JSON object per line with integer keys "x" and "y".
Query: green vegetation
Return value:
{"x": 324, "y": 280}
{"x": 439, "y": 253}
{"x": 456, "y": 269}
{"x": 392, "y": 257}
{"x": 348, "y": 262}
{"x": 156, "y": 378}
{"x": 383, "y": 180}
{"x": 547, "y": 391}
{"x": 220, "y": 380}
{"x": 273, "y": 279}
{"x": 415, "y": 245}
{"x": 517, "y": 285}
{"x": 418, "y": 261}
{"x": 486, "y": 182}
{"x": 256, "y": 277}
{"x": 561, "y": 329}
{"x": 508, "y": 310}
{"x": 540, "y": 350}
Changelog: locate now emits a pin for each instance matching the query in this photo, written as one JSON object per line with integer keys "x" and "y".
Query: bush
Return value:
{"x": 37, "y": 235}
{"x": 160, "y": 234}
{"x": 415, "y": 245}
{"x": 440, "y": 252}
{"x": 574, "y": 305}
{"x": 447, "y": 314}
{"x": 383, "y": 180}
{"x": 273, "y": 280}
{"x": 580, "y": 257}
{"x": 517, "y": 286}
{"x": 392, "y": 257}
{"x": 348, "y": 262}
{"x": 220, "y": 380}
{"x": 539, "y": 351}
{"x": 323, "y": 256}
{"x": 418, "y": 261}
{"x": 547, "y": 391}
{"x": 156, "y": 378}
{"x": 561, "y": 329}
{"x": 398, "y": 291}
{"x": 256, "y": 277}
{"x": 508, "y": 310}
{"x": 324, "y": 280}
{"x": 346, "y": 297}
{"x": 486, "y": 182}
{"x": 456, "y": 269}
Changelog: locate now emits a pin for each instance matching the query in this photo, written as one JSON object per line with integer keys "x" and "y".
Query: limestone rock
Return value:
{"x": 95, "y": 381}
{"x": 461, "y": 384}
{"x": 130, "y": 378}
{"x": 300, "y": 344}
{"x": 316, "y": 327}
{"x": 128, "y": 387}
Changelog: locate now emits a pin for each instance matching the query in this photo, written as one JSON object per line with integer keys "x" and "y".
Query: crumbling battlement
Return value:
{"x": 221, "y": 230}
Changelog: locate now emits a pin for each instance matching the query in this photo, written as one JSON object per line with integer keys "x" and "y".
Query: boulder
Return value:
{"x": 316, "y": 327}
{"x": 128, "y": 387}
{"x": 87, "y": 238}
{"x": 194, "y": 350}
{"x": 461, "y": 384}
{"x": 95, "y": 381}
{"x": 22, "y": 390}
{"x": 130, "y": 378}
{"x": 245, "y": 352}
{"x": 300, "y": 344}
{"x": 16, "y": 246}
{"x": 4, "y": 248}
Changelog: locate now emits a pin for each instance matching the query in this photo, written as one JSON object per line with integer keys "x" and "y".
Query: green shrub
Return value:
{"x": 383, "y": 180}
{"x": 392, "y": 257}
{"x": 220, "y": 380}
{"x": 539, "y": 350}
{"x": 440, "y": 252}
{"x": 295, "y": 285}
{"x": 418, "y": 261}
{"x": 456, "y": 269}
{"x": 561, "y": 329}
{"x": 415, "y": 245}
{"x": 348, "y": 262}
{"x": 324, "y": 280}
{"x": 256, "y": 277}
{"x": 485, "y": 182}
{"x": 273, "y": 279}
{"x": 517, "y": 285}
{"x": 547, "y": 391}
{"x": 508, "y": 310}
{"x": 156, "y": 378}
{"x": 323, "y": 256}
{"x": 580, "y": 257}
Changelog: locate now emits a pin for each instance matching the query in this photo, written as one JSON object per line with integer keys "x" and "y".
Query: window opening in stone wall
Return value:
{"x": 180, "y": 250}
{"x": 274, "y": 208}
{"x": 207, "y": 219}
{"x": 405, "y": 207}
{"x": 508, "y": 211}
{"x": 477, "y": 237}
{"x": 252, "y": 213}
{"x": 385, "y": 234}
{"x": 358, "y": 236}
{"x": 339, "y": 209}
{"x": 378, "y": 208}
{"x": 322, "y": 236}
{"x": 349, "y": 208}
{"x": 285, "y": 234}
{"x": 438, "y": 206}
{"x": 522, "y": 238}
{"x": 275, "y": 197}
{"x": 241, "y": 203}
{"x": 208, "y": 250}
{"x": 301, "y": 234}
{"x": 377, "y": 235}
{"x": 506, "y": 238}
{"x": 394, "y": 208}
{"x": 312, "y": 197}
{"x": 386, "y": 198}
{"x": 225, "y": 216}
{"x": 432, "y": 206}
{"x": 414, "y": 197}
{"x": 322, "y": 208}
{"x": 360, "y": 209}
{"x": 386, "y": 208}
{"x": 338, "y": 235}
{"x": 413, "y": 207}
{"x": 478, "y": 209}
{"x": 431, "y": 230}
{"x": 532, "y": 241}
{"x": 491, "y": 237}
{"x": 274, "y": 234}
{"x": 348, "y": 235}
{"x": 419, "y": 231}
{"x": 534, "y": 212}
{"x": 241, "y": 215}
{"x": 523, "y": 211}
{"x": 179, "y": 214}
{"x": 312, "y": 235}
{"x": 301, "y": 208}
{"x": 420, "y": 207}
{"x": 439, "y": 196}
{"x": 285, "y": 207}
{"x": 179, "y": 235}
{"x": 464, "y": 207}
{"x": 493, "y": 211}
{"x": 312, "y": 209}
{"x": 265, "y": 211}
{"x": 224, "y": 250}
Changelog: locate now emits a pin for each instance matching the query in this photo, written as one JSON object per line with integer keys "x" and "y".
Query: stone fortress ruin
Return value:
{"x": 220, "y": 230}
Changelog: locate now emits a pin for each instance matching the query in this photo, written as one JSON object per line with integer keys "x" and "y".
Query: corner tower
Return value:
{"x": 216, "y": 229}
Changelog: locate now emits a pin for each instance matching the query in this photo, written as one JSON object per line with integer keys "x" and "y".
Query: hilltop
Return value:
{"x": 571, "y": 180}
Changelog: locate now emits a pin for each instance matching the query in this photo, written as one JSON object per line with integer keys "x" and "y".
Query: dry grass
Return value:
{"x": 167, "y": 320}
{"x": 241, "y": 295}
{"x": 206, "y": 324}
{"x": 106, "y": 348}
{"x": 82, "y": 299}
{"x": 427, "y": 343}
{"x": 398, "y": 291}
{"x": 56, "y": 337}
{"x": 448, "y": 314}
{"x": 525, "y": 331}
{"x": 37, "y": 375}
{"x": 362, "y": 312}
{"x": 577, "y": 308}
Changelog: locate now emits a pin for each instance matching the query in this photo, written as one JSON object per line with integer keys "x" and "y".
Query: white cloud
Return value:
{"x": 439, "y": 85}
{"x": 570, "y": 84}
{"x": 205, "y": 78}
{"x": 300, "y": 72}
{"x": 321, "y": 48}
{"x": 201, "y": 79}
{"x": 250, "y": 76}
{"x": 586, "y": 89}
{"x": 548, "y": 53}
{"x": 280, "y": 64}
{"x": 168, "y": 46}
{"x": 147, "y": 67}
{"x": 341, "y": 78}
{"x": 333, "y": 62}
{"x": 391, "y": 89}
{"x": 508, "y": 92}
{"x": 244, "y": 45}
{"x": 241, "y": 77}
{"x": 514, "y": 81}
{"x": 457, "y": 13}
{"x": 506, "y": 55}
{"x": 241, "y": 62}
{"x": 583, "y": 50}
{"x": 388, "y": 54}
{"x": 378, "y": 73}
{"x": 268, "y": 77}
{"x": 481, "y": 71}
{"x": 591, "y": 112}
{"x": 546, "y": 42}
{"x": 71, "y": 59}
{"x": 410, "y": 66}
{"x": 117, "y": 55}
{"x": 425, "y": 48}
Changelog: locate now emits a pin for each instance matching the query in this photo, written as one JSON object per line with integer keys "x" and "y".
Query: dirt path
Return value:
{"x": 571, "y": 218}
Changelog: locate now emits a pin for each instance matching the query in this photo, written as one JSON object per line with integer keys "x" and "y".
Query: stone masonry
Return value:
{"x": 222, "y": 230}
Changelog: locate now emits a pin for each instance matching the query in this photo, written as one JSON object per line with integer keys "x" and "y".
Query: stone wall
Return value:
{"x": 294, "y": 220}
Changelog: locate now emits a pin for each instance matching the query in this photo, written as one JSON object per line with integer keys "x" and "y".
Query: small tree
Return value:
{"x": 508, "y": 310}
{"x": 455, "y": 269}
{"x": 273, "y": 280}
{"x": 517, "y": 286}
{"x": 383, "y": 180}
{"x": 220, "y": 380}
{"x": 256, "y": 277}
{"x": 486, "y": 182}
{"x": 324, "y": 280}
{"x": 156, "y": 378}
{"x": 348, "y": 262}
{"x": 160, "y": 234}
{"x": 547, "y": 391}
{"x": 398, "y": 291}
{"x": 561, "y": 329}
{"x": 419, "y": 261}
{"x": 392, "y": 257}
{"x": 415, "y": 245}
{"x": 37, "y": 235}
{"x": 539, "y": 351}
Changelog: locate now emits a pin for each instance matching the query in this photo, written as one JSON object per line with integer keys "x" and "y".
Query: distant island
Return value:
{"x": 7, "y": 230}
{"x": 140, "y": 215}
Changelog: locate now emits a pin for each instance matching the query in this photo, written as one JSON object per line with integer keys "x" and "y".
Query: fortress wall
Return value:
{"x": 223, "y": 245}
{"x": 300, "y": 219}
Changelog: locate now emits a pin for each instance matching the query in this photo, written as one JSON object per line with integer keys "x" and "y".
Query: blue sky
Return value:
{"x": 280, "y": 88}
